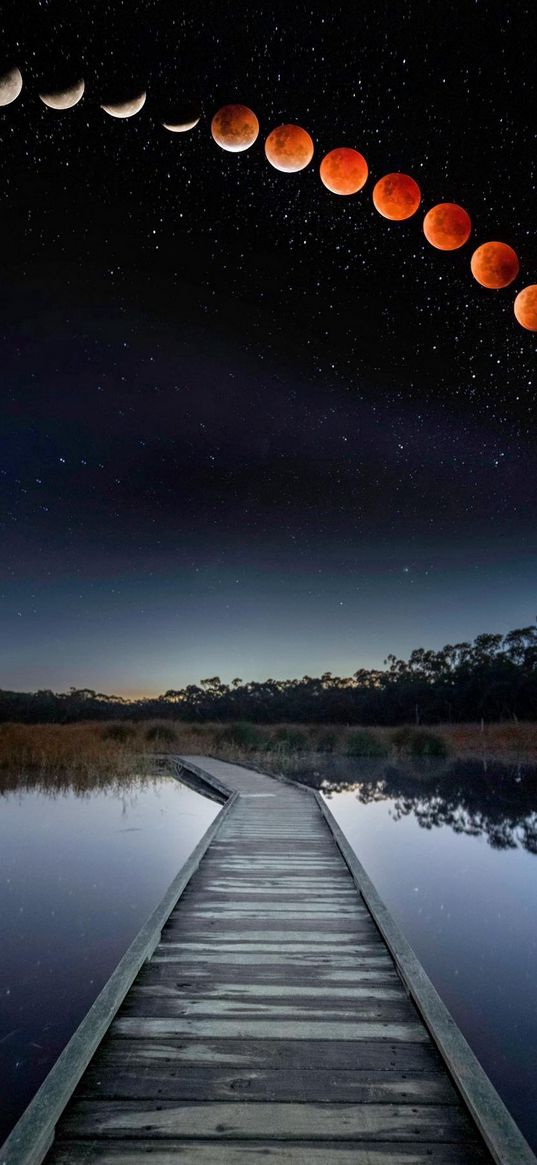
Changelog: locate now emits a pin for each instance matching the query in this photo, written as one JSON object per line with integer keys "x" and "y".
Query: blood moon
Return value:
{"x": 447, "y": 226}
{"x": 526, "y": 307}
{"x": 396, "y": 196}
{"x": 344, "y": 171}
{"x": 289, "y": 148}
{"x": 235, "y": 128}
{"x": 495, "y": 265}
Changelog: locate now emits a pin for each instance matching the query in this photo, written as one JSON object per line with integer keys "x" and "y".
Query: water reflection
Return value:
{"x": 451, "y": 848}
{"x": 473, "y": 797}
{"x": 83, "y": 862}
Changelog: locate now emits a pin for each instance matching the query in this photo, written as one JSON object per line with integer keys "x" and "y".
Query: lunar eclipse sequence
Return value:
{"x": 344, "y": 172}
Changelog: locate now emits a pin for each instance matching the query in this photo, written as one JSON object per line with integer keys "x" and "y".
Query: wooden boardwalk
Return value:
{"x": 270, "y": 1022}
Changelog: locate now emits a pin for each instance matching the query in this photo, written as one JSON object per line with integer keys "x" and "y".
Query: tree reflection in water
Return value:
{"x": 477, "y": 798}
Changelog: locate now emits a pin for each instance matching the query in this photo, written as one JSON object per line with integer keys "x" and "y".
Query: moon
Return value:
{"x": 63, "y": 98}
{"x": 235, "y": 128}
{"x": 396, "y": 196}
{"x": 125, "y": 108}
{"x": 495, "y": 265}
{"x": 180, "y": 126}
{"x": 344, "y": 171}
{"x": 447, "y": 226}
{"x": 289, "y": 148}
{"x": 525, "y": 307}
{"x": 10, "y": 85}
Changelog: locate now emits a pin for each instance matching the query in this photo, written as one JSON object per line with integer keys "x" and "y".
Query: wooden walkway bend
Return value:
{"x": 272, "y": 1022}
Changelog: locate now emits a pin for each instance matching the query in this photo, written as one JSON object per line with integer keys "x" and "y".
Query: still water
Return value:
{"x": 81, "y": 869}
{"x": 452, "y": 850}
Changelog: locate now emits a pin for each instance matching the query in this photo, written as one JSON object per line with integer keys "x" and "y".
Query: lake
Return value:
{"x": 452, "y": 849}
{"x": 81, "y": 868}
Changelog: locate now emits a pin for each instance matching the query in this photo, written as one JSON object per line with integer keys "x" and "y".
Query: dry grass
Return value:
{"x": 503, "y": 741}
{"x": 92, "y": 752}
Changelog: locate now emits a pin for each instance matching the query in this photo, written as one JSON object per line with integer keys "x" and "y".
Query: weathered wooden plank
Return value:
{"x": 274, "y": 903}
{"x": 275, "y": 940}
{"x": 353, "y": 944}
{"x": 292, "y": 913}
{"x": 252, "y": 1029}
{"x": 234, "y": 861}
{"x": 256, "y": 1152}
{"x": 276, "y": 874}
{"x": 260, "y": 959}
{"x": 265, "y": 991}
{"x": 376, "y": 1009}
{"x": 269, "y": 892}
{"x": 326, "y": 1122}
{"x": 330, "y": 926}
{"x": 334, "y": 1056}
{"x": 208, "y": 883}
{"x": 132, "y": 1081}
{"x": 205, "y": 977}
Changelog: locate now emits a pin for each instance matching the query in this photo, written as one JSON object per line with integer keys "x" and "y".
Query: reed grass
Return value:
{"x": 94, "y": 750}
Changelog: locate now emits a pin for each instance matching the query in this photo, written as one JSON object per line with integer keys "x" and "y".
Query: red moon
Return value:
{"x": 495, "y": 265}
{"x": 447, "y": 226}
{"x": 235, "y": 128}
{"x": 344, "y": 171}
{"x": 396, "y": 196}
{"x": 526, "y": 307}
{"x": 289, "y": 148}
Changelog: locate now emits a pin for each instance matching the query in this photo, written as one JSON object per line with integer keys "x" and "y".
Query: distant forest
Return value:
{"x": 494, "y": 678}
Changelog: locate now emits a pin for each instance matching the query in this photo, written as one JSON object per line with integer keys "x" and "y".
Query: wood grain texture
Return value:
{"x": 132, "y": 1081}
{"x": 221, "y": 1120}
{"x": 202, "y": 1152}
{"x": 282, "y": 1055}
{"x": 273, "y": 1028}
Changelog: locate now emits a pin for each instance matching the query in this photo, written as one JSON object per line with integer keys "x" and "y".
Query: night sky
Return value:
{"x": 251, "y": 428}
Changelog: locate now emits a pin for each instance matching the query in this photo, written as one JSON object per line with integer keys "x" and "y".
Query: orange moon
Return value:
{"x": 344, "y": 171}
{"x": 396, "y": 196}
{"x": 526, "y": 307}
{"x": 235, "y": 128}
{"x": 447, "y": 226}
{"x": 289, "y": 148}
{"x": 495, "y": 265}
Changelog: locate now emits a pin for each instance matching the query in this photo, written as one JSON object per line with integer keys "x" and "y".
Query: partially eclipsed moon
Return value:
{"x": 289, "y": 148}
{"x": 10, "y": 85}
{"x": 180, "y": 127}
{"x": 235, "y": 128}
{"x": 125, "y": 108}
{"x": 63, "y": 98}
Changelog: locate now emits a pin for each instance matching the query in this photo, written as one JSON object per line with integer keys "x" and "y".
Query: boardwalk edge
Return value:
{"x": 31, "y": 1138}
{"x": 495, "y": 1123}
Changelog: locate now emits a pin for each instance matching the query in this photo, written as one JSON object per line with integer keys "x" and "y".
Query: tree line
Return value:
{"x": 492, "y": 678}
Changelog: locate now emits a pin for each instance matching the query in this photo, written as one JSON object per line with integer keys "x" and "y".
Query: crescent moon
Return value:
{"x": 180, "y": 127}
{"x": 125, "y": 108}
{"x": 10, "y": 85}
{"x": 63, "y": 98}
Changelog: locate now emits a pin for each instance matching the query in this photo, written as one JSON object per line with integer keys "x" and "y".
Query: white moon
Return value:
{"x": 181, "y": 127}
{"x": 63, "y": 98}
{"x": 10, "y": 85}
{"x": 125, "y": 108}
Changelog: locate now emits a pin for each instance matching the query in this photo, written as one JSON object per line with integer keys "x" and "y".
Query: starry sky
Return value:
{"x": 251, "y": 428}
